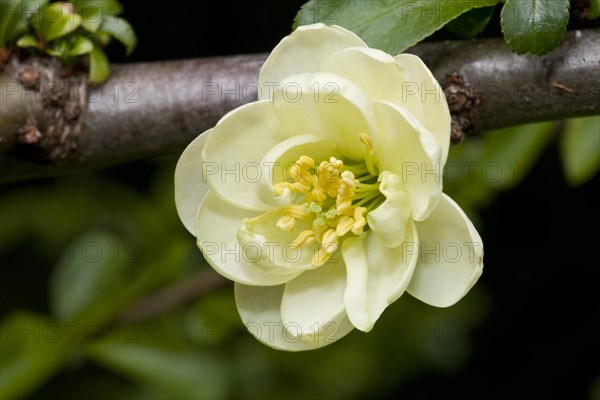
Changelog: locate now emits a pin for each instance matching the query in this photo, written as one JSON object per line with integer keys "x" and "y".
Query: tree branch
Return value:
{"x": 148, "y": 109}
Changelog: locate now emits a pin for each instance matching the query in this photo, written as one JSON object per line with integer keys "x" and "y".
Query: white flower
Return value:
{"x": 323, "y": 199}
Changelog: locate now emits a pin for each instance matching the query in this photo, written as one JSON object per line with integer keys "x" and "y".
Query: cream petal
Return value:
{"x": 377, "y": 275}
{"x": 437, "y": 118}
{"x": 303, "y": 51}
{"x": 216, "y": 228}
{"x": 314, "y": 301}
{"x": 451, "y": 256}
{"x": 407, "y": 149}
{"x": 328, "y": 106}
{"x": 190, "y": 186}
{"x": 270, "y": 247}
{"x": 232, "y": 154}
{"x": 277, "y": 161}
{"x": 389, "y": 220}
{"x": 260, "y": 310}
{"x": 378, "y": 75}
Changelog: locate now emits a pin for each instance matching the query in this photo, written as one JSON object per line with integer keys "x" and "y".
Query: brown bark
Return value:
{"x": 155, "y": 108}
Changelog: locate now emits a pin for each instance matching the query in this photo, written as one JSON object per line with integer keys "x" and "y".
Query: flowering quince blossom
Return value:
{"x": 323, "y": 200}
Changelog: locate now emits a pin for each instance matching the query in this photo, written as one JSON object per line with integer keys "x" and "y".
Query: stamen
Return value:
{"x": 360, "y": 221}
{"x": 300, "y": 187}
{"x": 305, "y": 162}
{"x": 297, "y": 211}
{"x": 344, "y": 225}
{"x": 286, "y": 223}
{"x": 319, "y": 231}
{"x": 281, "y": 187}
{"x": 330, "y": 241}
{"x": 321, "y": 257}
{"x": 366, "y": 140}
{"x": 336, "y": 197}
{"x": 304, "y": 238}
{"x": 348, "y": 179}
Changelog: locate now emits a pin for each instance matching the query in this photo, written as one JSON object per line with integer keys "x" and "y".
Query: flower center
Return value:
{"x": 334, "y": 195}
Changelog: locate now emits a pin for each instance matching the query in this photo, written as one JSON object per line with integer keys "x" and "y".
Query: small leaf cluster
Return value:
{"x": 534, "y": 26}
{"x": 67, "y": 30}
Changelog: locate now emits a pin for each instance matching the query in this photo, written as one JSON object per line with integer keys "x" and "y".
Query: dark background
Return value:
{"x": 540, "y": 337}
{"x": 541, "y": 238}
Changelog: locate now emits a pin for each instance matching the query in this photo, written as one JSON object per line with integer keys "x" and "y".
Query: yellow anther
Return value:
{"x": 359, "y": 220}
{"x": 321, "y": 257}
{"x": 319, "y": 231}
{"x": 304, "y": 238}
{"x": 286, "y": 222}
{"x": 281, "y": 187}
{"x": 330, "y": 241}
{"x": 297, "y": 211}
{"x": 300, "y": 187}
{"x": 300, "y": 175}
{"x": 344, "y": 192}
{"x": 348, "y": 179}
{"x": 359, "y": 213}
{"x": 317, "y": 195}
{"x": 319, "y": 187}
{"x": 366, "y": 140}
{"x": 337, "y": 163}
{"x": 343, "y": 205}
{"x": 327, "y": 172}
{"x": 344, "y": 225}
{"x": 305, "y": 162}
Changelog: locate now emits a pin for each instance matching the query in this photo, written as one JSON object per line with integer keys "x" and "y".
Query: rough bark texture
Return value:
{"x": 156, "y": 108}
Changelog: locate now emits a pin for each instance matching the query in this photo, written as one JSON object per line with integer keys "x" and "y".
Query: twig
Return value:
{"x": 171, "y": 297}
{"x": 149, "y": 109}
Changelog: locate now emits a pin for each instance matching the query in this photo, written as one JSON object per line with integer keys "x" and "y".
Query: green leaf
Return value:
{"x": 89, "y": 269}
{"x": 56, "y": 20}
{"x": 509, "y": 154}
{"x": 99, "y": 67}
{"x": 33, "y": 349}
{"x": 580, "y": 149}
{"x": 164, "y": 361}
{"x": 81, "y": 46}
{"x": 535, "y": 26}
{"x": 594, "y": 10}
{"x": 90, "y": 24}
{"x": 13, "y": 18}
{"x": 471, "y": 23}
{"x": 121, "y": 30}
{"x": 97, "y": 9}
{"x": 389, "y": 25}
{"x": 94, "y": 12}
{"x": 28, "y": 41}
{"x": 59, "y": 49}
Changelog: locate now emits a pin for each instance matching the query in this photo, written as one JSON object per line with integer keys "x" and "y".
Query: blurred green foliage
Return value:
{"x": 535, "y": 26}
{"x": 79, "y": 251}
{"x": 67, "y": 30}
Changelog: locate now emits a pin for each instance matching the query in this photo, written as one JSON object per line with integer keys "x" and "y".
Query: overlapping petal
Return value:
{"x": 377, "y": 275}
{"x": 389, "y": 221}
{"x": 232, "y": 153}
{"x": 375, "y": 72}
{"x": 270, "y": 247}
{"x": 303, "y": 52}
{"x": 217, "y": 226}
{"x": 190, "y": 186}
{"x": 451, "y": 256}
{"x": 281, "y": 157}
{"x": 260, "y": 310}
{"x": 407, "y": 149}
{"x": 423, "y": 86}
{"x": 314, "y": 301}
{"x": 326, "y": 105}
